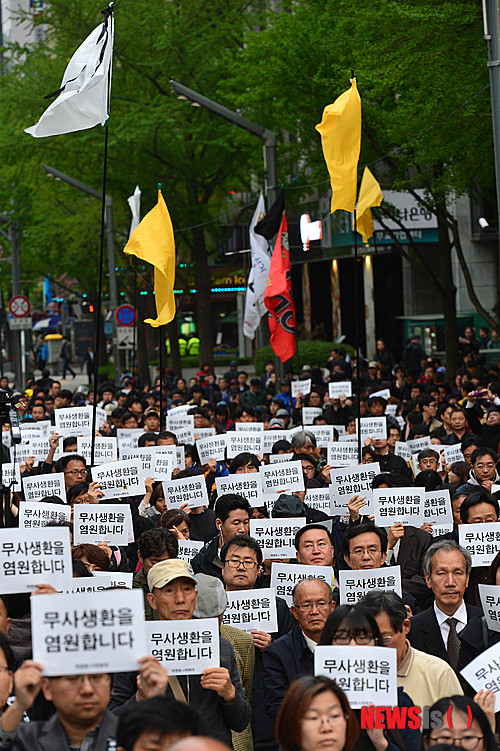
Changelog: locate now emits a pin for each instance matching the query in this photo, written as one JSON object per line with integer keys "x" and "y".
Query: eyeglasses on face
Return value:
{"x": 468, "y": 742}
{"x": 333, "y": 718}
{"x": 306, "y": 606}
{"x": 76, "y": 472}
{"x": 247, "y": 563}
{"x": 73, "y": 681}
{"x": 344, "y": 637}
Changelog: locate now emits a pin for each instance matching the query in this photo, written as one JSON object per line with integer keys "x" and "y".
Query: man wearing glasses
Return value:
{"x": 293, "y": 654}
{"x": 81, "y": 720}
{"x": 424, "y": 677}
{"x": 74, "y": 468}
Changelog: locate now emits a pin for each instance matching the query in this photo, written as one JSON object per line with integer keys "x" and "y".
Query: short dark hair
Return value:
{"x": 428, "y": 479}
{"x": 389, "y": 603}
{"x": 63, "y": 462}
{"x": 359, "y": 529}
{"x": 242, "y": 541}
{"x": 70, "y": 440}
{"x": 161, "y": 714}
{"x": 157, "y": 542}
{"x": 471, "y": 709}
{"x": 94, "y": 554}
{"x": 482, "y": 496}
{"x": 281, "y": 445}
{"x": 356, "y": 617}
{"x": 428, "y": 454}
{"x": 241, "y": 460}
{"x": 307, "y": 527}
{"x": 230, "y": 502}
{"x": 145, "y": 437}
{"x": 172, "y": 518}
{"x": 483, "y": 451}
{"x": 75, "y": 490}
{"x": 167, "y": 434}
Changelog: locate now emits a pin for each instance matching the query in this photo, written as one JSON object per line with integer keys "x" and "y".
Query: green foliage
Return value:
{"x": 311, "y": 353}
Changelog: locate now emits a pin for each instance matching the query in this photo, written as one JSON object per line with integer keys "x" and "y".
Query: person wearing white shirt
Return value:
{"x": 436, "y": 630}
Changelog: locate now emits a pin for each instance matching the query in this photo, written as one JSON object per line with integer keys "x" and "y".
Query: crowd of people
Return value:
{"x": 263, "y": 693}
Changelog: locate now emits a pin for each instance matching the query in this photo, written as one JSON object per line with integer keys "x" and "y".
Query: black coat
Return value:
{"x": 50, "y": 735}
{"x": 285, "y": 660}
{"x": 425, "y": 633}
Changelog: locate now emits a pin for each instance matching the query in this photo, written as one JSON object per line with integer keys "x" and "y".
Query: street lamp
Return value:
{"x": 268, "y": 136}
{"x": 110, "y": 243}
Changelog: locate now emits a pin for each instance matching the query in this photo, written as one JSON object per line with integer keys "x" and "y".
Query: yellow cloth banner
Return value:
{"x": 340, "y": 130}
{"x": 370, "y": 194}
{"x": 153, "y": 241}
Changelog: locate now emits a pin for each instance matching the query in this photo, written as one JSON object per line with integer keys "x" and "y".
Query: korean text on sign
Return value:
{"x": 185, "y": 647}
{"x": 252, "y": 609}
{"x": 34, "y": 556}
{"x": 276, "y": 536}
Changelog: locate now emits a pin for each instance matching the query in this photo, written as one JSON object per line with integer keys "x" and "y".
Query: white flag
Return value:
{"x": 85, "y": 90}
{"x": 259, "y": 273}
{"x": 134, "y": 201}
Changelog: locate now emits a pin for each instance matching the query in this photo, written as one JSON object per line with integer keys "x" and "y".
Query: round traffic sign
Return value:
{"x": 19, "y": 306}
{"x": 126, "y": 315}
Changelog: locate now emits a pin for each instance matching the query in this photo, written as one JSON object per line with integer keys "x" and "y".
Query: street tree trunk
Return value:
{"x": 204, "y": 312}
{"x": 448, "y": 296}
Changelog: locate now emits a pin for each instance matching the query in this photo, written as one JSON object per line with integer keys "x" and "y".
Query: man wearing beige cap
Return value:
{"x": 217, "y": 693}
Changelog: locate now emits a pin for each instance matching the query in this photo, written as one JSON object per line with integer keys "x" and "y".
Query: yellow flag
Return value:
{"x": 370, "y": 194}
{"x": 340, "y": 130}
{"x": 153, "y": 241}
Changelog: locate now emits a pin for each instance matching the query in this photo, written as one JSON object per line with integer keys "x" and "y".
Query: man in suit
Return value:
{"x": 447, "y": 568}
{"x": 293, "y": 654}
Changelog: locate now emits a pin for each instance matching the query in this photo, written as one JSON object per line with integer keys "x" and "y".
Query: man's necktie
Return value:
{"x": 453, "y": 644}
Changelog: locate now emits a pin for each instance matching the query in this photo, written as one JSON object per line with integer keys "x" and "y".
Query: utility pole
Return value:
{"x": 12, "y": 235}
{"x": 491, "y": 23}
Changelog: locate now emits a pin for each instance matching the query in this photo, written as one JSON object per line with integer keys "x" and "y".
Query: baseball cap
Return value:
{"x": 282, "y": 413}
{"x": 212, "y": 598}
{"x": 164, "y": 572}
{"x": 276, "y": 422}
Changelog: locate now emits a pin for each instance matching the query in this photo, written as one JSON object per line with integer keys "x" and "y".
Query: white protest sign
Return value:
{"x": 252, "y": 609}
{"x": 286, "y": 477}
{"x": 90, "y": 584}
{"x": 490, "y": 602}
{"x": 104, "y": 522}
{"x": 284, "y": 577}
{"x": 128, "y": 438}
{"x": 366, "y": 674}
{"x": 11, "y": 476}
{"x": 451, "y": 454}
{"x": 373, "y": 427}
{"x": 301, "y": 387}
{"x": 484, "y": 672}
{"x": 212, "y": 447}
{"x": 276, "y": 536}
{"x": 248, "y": 484}
{"x": 481, "y": 540}
{"x": 239, "y": 442}
{"x": 390, "y": 409}
{"x": 323, "y": 433}
{"x": 20, "y": 452}
{"x": 182, "y": 425}
{"x": 270, "y": 437}
{"x": 398, "y": 506}
{"x": 383, "y": 393}
{"x": 319, "y": 499}
{"x": 204, "y": 432}
{"x": 78, "y": 633}
{"x": 342, "y": 453}
{"x": 181, "y": 409}
{"x": 190, "y": 490}
{"x": 6, "y": 437}
{"x": 249, "y": 427}
{"x": 44, "y": 427}
{"x": 37, "y": 487}
{"x": 419, "y": 444}
{"x": 339, "y": 388}
{"x": 437, "y": 508}
{"x": 279, "y": 458}
{"x": 39, "y": 448}
{"x": 400, "y": 420}
{"x": 73, "y": 420}
{"x": 354, "y": 585}
{"x": 36, "y": 556}
{"x": 146, "y": 456}
{"x": 350, "y": 481}
{"x": 309, "y": 414}
{"x": 105, "y": 449}
{"x": 119, "y": 479}
{"x": 188, "y": 549}
{"x": 177, "y": 453}
{"x": 402, "y": 449}
{"x": 118, "y": 578}
{"x": 185, "y": 647}
{"x": 35, "y": 515}
{"x": 441, "y": 529}
{"x": 101, "y": 417}
{"x": 163, "y": 465}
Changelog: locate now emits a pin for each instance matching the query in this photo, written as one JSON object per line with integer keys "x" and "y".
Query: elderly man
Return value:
{"x": 293, "y": 654}
{"x": 435, "y": 630}
{"x": 423, "y": 676}
{"x": 217, "y": 694}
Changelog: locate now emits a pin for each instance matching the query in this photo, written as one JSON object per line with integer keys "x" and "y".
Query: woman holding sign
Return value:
{"x": 352, "y": 625}
{"x": 316, "y": 715}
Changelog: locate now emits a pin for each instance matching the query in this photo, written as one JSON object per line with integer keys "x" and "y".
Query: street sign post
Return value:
{"x": 20, "y": 324}
{"x": 19, "y": 306}
{"x": 126, "y": 315}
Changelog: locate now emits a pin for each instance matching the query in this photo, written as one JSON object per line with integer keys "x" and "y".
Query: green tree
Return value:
{"x": 421, "y": 72}
{"x": 153, "y": 138}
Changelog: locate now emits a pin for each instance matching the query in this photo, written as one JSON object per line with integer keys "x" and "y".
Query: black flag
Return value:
{"x": 269, "y": 225}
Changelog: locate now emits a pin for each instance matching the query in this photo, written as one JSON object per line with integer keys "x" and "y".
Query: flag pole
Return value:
{"x": 357, "y": 334}
{"x": 161, "y": 334}
{"x": 134, "y": 336}
{"x": 99, "y": 293}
